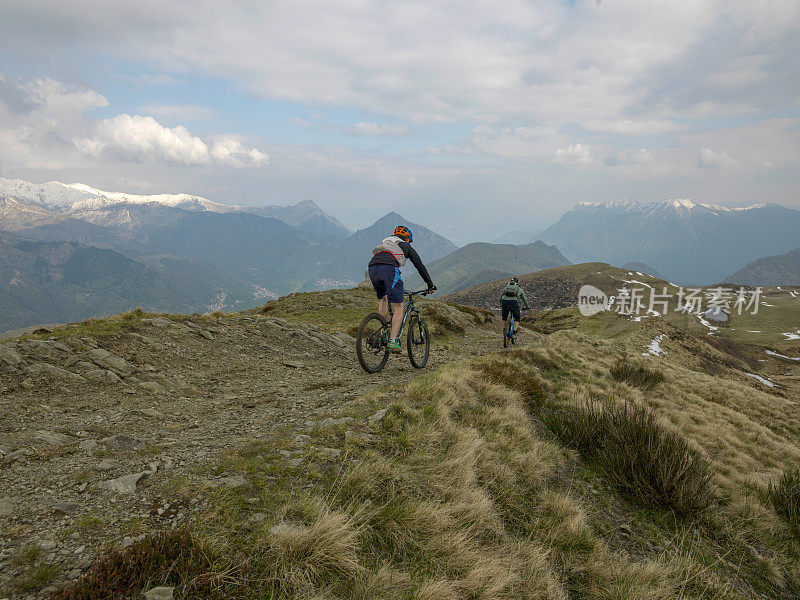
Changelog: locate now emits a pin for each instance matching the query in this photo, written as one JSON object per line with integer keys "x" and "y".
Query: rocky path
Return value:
{"x": 93, "y": 432}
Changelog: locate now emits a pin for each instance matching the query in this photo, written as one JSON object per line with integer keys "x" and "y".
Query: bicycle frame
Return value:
{"x": 408, "y": 308}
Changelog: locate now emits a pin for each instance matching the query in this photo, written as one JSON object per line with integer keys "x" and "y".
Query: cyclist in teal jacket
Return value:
{"x": 510, "y": 299}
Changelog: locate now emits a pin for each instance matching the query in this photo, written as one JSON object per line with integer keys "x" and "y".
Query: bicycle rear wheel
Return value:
{"x": 371, "y": 343}
{"x": 418, "y": 342}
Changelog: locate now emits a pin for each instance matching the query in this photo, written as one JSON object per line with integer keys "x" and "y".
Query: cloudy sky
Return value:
{"x": 475, "y": 118}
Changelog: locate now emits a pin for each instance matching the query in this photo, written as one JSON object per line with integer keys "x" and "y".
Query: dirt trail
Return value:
{"x": 94, "y": 431}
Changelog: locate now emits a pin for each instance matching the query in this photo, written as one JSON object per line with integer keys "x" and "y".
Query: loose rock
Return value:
{"x": 123, "y": 485}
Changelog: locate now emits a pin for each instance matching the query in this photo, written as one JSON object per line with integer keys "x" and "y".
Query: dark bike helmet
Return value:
{"x": 404, "y": 232}
{"x": 515, "y": 280}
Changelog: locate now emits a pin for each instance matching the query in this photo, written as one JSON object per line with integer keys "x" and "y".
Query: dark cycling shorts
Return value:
{"x": 510, "y": 306}
{"x": 387, "y": 282}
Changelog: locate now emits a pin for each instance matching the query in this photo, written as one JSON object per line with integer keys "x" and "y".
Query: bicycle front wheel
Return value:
{"x": 371, "y": 343}
{"x": 418, "y": 342}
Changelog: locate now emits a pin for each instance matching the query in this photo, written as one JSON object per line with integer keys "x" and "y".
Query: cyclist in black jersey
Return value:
{"x": 384, "y": 272}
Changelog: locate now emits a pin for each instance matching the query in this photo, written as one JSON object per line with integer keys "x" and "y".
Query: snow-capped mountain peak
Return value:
{"x": 683, "y": 205}
{"x": 82, "y": 197}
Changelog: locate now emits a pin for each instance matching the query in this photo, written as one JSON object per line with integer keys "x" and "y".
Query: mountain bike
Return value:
{"x": 372, "y": 343}
{"x": 509, "y": 335}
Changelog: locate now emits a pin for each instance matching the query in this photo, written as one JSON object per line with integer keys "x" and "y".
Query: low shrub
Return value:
{"x": 636, "y": 374}
{"x": 168, "y": 558}
{"x": 643, "y": 459}
{"x": 785, "y": 498}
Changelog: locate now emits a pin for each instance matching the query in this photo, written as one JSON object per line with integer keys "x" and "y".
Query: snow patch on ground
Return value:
{"x": 771, "y": 353}
{"x": 650, "y": 313}
{"x": 638, "y": 283}
{"x": 766, "y": 382}
{"x": 654, "y": 348}
{"x": 709, "y": 325}
{"x": 792, "y": 336}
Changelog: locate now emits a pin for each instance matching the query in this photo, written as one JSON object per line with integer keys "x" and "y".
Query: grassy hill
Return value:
{"x": 775, "y": 323}
{"x": 58, "y": 282}
{"x": 782, "y": 269}
{"x": 553, "y": 288}
{"x": 481, "y": 262}
{"x": 580, "y": 465}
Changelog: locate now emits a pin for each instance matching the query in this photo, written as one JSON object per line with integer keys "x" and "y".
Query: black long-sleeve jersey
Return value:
{"x": 387, "y": 258}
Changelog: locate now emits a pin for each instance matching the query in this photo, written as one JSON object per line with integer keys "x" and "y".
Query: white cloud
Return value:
{"x": 143, "y": 139}
{"x": 229, "y": 151}
{"x": 48, "y": 124}
{"x": 770, "y": 145}
{"x": 376, "y": 130}
{"x": 641, "y": 156}
{"x": 709, "y": 159}
{"x": 575, "y": 154}
{"x": 632, "y": 127}
{"x": 57, "y": 95}
{"x": 179, "y": 112}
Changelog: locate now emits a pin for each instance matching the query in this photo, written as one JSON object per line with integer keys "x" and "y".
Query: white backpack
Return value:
{"x": 392, "y": 244}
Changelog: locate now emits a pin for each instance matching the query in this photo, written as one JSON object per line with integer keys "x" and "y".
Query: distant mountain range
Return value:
{"x": 480, "y": 262}
{"x": 171, "y": 252}
{"x": 782, "y": 269}
{"x": 686, "y": 242}
{"x": 185, "y": 253}
{"x": 55, "y": 202}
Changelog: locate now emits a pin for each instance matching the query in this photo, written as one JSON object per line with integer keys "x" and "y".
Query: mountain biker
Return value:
{"x": 510, "y": 299}
{"x": 384, "y": 272}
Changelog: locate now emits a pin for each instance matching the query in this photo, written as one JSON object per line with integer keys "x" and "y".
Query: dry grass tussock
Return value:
{"x": 746, "y": 435}
{"x": 640, "y": 456}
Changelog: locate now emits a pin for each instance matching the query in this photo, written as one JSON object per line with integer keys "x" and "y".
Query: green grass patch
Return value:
{"x": 89, "y": 522}
{"x": 785, "y": 498}
{"x": 636, "y": 374}
{"x": 35, "y": 578}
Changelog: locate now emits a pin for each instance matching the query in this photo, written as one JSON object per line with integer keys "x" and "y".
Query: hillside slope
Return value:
{"x": 46, "y": 282}
{"x": 554, "y": 288}
{"x": 782, "y": 269}
{"x": 480, "y": 262}
{"x": 250, "y": 445}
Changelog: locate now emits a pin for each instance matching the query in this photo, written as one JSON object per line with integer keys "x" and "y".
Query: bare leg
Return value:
{"x": 397, "y": 319}
{"x": 383, "y": 307}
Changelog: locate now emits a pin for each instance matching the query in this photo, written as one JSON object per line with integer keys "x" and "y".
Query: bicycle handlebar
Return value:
{"x": 417, "y": 293}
